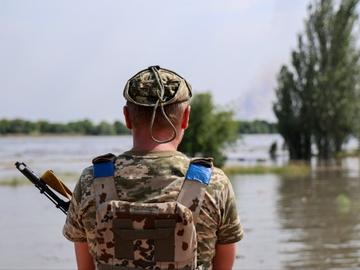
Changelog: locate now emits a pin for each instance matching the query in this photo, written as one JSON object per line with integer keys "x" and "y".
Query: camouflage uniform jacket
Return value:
{"x": 143, "y": 177}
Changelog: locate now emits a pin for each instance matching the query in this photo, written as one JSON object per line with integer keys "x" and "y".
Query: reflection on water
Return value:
{"x": 302, "y": 223}
{"x": 60, "y": 153}
{"x": 30, "y": 232}
{"x": 256, "y": 202}
{"x": 324, "y": 215}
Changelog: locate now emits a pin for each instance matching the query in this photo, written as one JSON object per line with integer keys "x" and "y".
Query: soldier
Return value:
{"x": 152, "y": 207}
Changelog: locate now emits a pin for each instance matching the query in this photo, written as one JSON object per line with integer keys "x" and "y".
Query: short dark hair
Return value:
{"x": 141, "y": 115}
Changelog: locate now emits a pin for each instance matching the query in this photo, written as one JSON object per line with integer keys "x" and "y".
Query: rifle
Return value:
{"x": 43, "y": 183}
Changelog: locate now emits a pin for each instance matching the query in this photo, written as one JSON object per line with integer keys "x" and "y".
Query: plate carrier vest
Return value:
{"x": 156, "y": 235}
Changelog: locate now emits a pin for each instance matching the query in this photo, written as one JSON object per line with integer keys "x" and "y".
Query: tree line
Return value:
{"x": 82, "y": 127}
{"x": 87, "y": 127}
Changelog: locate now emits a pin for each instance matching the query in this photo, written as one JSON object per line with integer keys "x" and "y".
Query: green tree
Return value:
{"x": 318, "y": 95}
{"x": 82, "y": 127}
{"x": 120, "y": 128}
{"x": 209, "y": 131}
{"x": 105, "y": 128}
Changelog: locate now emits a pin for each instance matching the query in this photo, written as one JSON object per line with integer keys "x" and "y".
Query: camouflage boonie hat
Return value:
{"x": 157, "y": 86}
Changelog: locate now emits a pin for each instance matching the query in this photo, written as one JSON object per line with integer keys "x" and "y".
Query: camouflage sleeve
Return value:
{"x": 73, "y": 229}
{"x": 230, "y": 230}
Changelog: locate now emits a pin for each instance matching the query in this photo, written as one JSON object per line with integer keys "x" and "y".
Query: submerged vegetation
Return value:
{"x": 352, "y": 153}
{"x": 256, "y": 127}
{"x": 14, "y": 182}
{"x": 293, "y": 170}
{"x": 22, "y": 180}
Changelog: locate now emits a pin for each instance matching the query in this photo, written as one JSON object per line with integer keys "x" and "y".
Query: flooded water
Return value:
{"x": 299, "y": 223}
{"x": 71, "y": 154}
{"x": 290, "y": 223}
{"x": 61, "y": 154}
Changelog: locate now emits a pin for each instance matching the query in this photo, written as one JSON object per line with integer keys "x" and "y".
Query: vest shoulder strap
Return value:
{"x": 196, "y": 180}
{"x": 103, "y": 184}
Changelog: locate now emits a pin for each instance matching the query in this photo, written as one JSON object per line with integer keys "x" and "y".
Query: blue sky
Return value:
{"x": 67, "y": 60}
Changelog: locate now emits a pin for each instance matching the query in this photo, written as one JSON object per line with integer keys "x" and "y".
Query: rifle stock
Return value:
{"x": 43, "y": 187}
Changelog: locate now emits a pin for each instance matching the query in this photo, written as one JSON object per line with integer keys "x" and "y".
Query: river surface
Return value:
{"x": 290, "y": 223}
{"x": 70, "y": 154}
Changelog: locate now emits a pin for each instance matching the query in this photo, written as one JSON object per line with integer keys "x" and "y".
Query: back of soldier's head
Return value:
{"x": 141, "y": 115}
{"x": 156, "y": 99}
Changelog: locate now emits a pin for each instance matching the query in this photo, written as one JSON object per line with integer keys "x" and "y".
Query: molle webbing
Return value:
{"x": 193, "y": 190}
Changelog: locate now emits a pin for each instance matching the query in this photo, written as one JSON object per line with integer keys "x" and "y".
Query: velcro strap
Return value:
{"x": 104, "y": 169}
{"x": 104, "y": 165}
{"x": 198, "y": 172}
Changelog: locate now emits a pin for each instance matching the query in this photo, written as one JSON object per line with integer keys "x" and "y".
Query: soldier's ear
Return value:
{"x": 127, "y": 117}
{"x": 186, "y": 117}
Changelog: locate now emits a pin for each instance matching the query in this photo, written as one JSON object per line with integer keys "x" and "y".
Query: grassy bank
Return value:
{"x": 288, "y": 170}
{"x": 22, "y": 180}
{"x": 353, "y": 153}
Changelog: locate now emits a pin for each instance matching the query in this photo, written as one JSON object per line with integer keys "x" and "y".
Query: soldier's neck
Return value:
{"x": 157, "y": 148}
{"x": 142, "y": 144}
